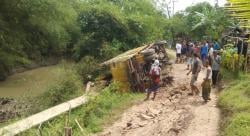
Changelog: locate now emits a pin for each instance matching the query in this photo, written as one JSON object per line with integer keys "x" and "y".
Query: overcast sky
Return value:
{"x": 182, "y": 4}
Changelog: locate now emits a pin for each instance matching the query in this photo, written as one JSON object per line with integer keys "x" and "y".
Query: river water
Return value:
{"x": 29, "y": 83}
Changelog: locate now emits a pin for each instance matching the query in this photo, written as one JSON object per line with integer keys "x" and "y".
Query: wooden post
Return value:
{"x": 67, "y": 131}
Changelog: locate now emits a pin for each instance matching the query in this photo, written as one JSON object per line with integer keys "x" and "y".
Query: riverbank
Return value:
{"x": 235, "y": 105}
{"x": 29, "y": 83}
{"x": 5, "y": 73}
{"x": 38, "y": 89}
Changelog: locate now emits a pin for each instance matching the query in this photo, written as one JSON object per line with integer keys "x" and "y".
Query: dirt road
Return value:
{"x": 173, "y": 113}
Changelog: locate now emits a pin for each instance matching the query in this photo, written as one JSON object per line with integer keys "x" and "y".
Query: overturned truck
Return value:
{"x": 130, "y": 69}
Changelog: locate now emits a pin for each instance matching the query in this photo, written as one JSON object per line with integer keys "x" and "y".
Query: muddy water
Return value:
{"x": 29, "y": 83}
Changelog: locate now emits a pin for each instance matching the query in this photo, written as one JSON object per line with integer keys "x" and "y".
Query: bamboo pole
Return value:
{"x": 34, "y": 120}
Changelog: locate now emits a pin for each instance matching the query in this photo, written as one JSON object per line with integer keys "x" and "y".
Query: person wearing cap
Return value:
{"x": 216, "y": 60}
{"x": 155, "y": 79}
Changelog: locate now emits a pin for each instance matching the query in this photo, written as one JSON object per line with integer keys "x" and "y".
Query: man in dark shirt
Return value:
{"x": 195, "y": 69}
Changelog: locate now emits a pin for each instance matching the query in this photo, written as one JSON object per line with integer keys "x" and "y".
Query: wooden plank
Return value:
{"x": 41, "y": 117}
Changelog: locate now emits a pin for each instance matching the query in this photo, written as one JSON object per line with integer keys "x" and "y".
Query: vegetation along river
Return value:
{"x": 29, "y": 83}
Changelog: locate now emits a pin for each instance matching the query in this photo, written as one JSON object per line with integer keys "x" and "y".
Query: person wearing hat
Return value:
{"x": 216, "y": 61}
{"x": 155, "y": 79}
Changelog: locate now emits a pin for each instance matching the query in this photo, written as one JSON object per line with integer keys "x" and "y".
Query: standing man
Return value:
{"x": 204, "y": 52}
{"x": 155, "y": 79}
{"x": 184, "y": 51}
{"x": 195, "y": 69}
{"x": 216, "y": 60}
{"x": 189, "y": 55}
{"x": 178, "y": 52}
{"x": 216, "y": 45}
{"x": 206, "y": 84}
{"x": 196, "y": 48}
{"x": 210, "y": 53}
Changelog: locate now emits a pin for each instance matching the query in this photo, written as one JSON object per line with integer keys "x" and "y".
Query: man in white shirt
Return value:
{"x": 210, "y": 53}
{"x": 178, "y": 52}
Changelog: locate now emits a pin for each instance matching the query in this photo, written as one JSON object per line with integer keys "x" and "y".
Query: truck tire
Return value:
{"x": 150, "y": 58}
{"x": 148, "y": 52}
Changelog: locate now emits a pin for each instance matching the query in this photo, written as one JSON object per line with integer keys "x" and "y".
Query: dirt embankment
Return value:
{"x": 173, "y": 113}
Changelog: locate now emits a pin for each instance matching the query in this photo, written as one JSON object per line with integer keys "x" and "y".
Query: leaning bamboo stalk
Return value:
{"x": 41, "y": 117}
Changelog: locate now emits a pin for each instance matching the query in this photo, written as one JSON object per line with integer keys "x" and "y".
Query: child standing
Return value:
{"x": 206, "y": 84}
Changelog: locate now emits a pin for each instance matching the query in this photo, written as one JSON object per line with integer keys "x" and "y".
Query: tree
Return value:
{"x": 206, "y": 20}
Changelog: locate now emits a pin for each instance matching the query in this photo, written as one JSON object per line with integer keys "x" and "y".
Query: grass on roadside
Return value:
{"x": 235, "y": 104}
{"x": 99, "y": 111}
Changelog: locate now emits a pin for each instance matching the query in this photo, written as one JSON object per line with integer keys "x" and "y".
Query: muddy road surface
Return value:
{"x": 173, "y": 113}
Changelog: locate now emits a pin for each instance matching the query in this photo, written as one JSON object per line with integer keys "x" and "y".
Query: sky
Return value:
{"x": 183, "y": 4}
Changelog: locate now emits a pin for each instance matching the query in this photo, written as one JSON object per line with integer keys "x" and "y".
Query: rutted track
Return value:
{"x": 173, "y": 113}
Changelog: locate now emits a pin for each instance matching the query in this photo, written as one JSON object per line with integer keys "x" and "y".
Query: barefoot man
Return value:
{"x": 195, "y": 69}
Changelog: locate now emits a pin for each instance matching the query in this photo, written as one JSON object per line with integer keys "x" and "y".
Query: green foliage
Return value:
{"x": 87, "y": 68}
{"x": 110, "y": 50}
{"x": 66, "y": 87}
{"x": 99, "y": 110}
{"x": 235, "y": 104}
{"x": 231, "y": 60}
{"x": 239, "y": 125}
{"x": 235, "y": 98}
{"x": 129, "y": 23}
{"x": 199, "y": 21}
{"x": 32, "y": 30}
{"x": 35, "y": 30}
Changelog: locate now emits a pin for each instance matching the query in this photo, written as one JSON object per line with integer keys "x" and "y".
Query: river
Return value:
{"x": 28, "y": 83}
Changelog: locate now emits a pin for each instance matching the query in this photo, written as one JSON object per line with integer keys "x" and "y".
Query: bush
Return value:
{"x": 232, "y": 61}
{"x": 87, "y": 68}
{"x": 67, "y": 86}
{"x": 111, "y": 50}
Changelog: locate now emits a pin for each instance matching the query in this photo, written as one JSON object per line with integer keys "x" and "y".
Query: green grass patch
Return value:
{"x": 235, "y": 104}
{"x": 99, "y": 111}
{"x": 238, "y": 125}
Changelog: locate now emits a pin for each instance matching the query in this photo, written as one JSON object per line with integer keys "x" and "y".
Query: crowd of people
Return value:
{"x": 198, "y": 56}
